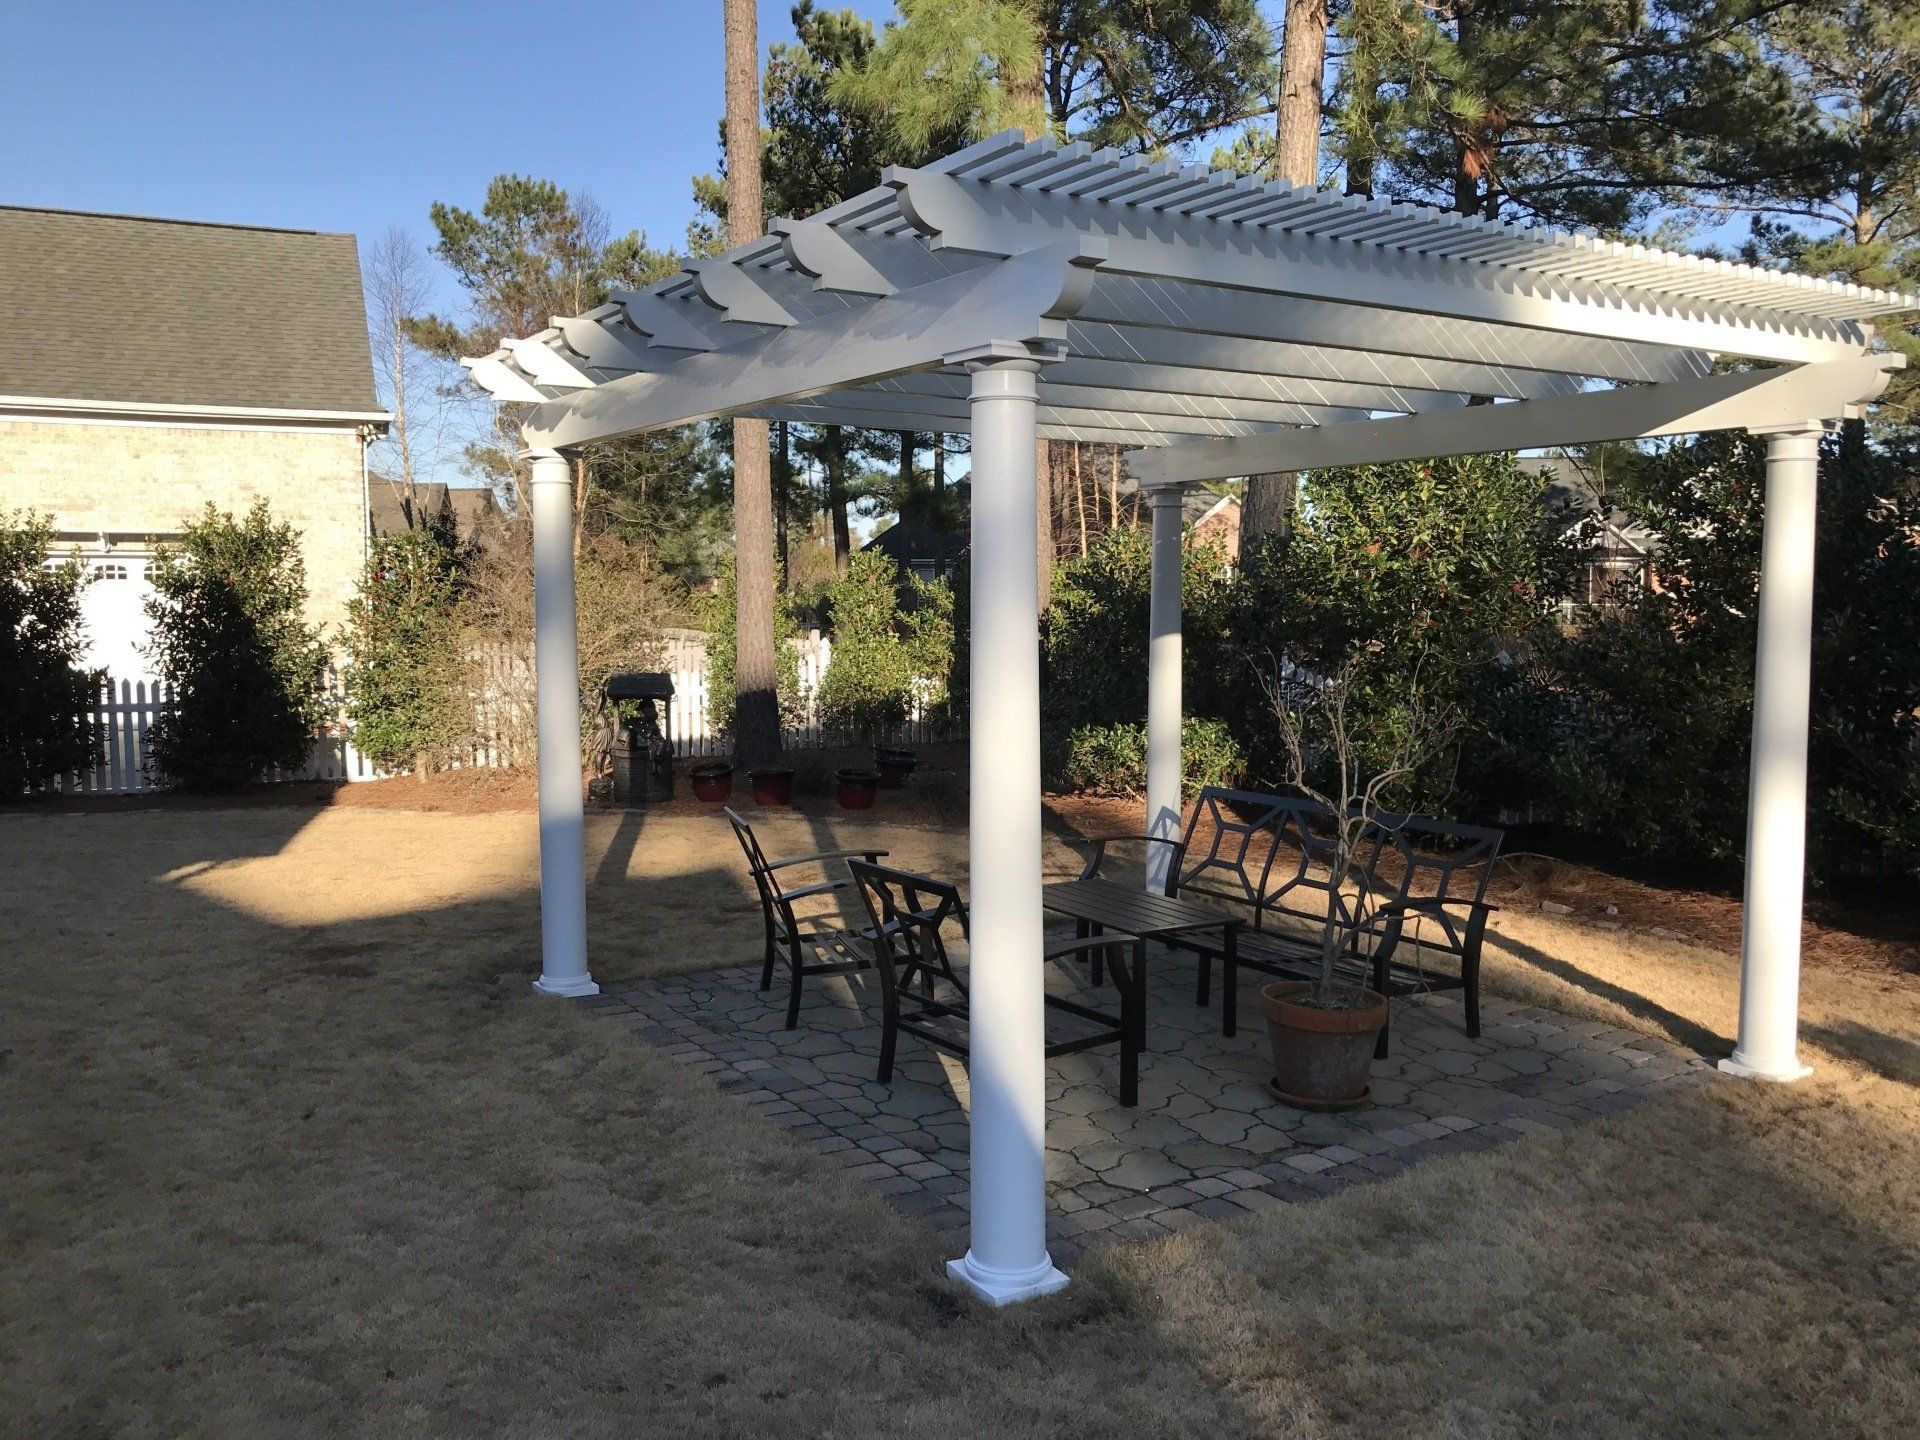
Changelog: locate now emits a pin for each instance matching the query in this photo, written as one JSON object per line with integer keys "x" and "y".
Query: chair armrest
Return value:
{"x": 1096, "y": 847}
{"x": 870, "y": 856}
{"x": 825, "y": 887}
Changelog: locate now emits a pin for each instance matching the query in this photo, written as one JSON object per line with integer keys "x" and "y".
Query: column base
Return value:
{"x": 1734, "y": 1065}
{"x": 1002, "y": 1287}
{"x": 570, "y": 987}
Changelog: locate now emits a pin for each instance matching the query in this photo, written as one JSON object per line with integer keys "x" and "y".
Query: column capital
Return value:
{"x": 547, "y": 467}
{"x": 1795, "y": 430}
{"x": 536, "y": 453}
{"x": 1004, "y": 354}
{"x": 1170, "y": 496}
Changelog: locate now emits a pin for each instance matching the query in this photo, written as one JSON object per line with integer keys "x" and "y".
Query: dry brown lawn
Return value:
{"x": 290, "y": 1149}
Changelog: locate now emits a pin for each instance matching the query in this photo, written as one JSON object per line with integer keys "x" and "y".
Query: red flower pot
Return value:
{"x": 858, "y": 788}
{"x": 894, "y": 766}
{"x": 771, "y": 787}
{"x": 712, "y": 781}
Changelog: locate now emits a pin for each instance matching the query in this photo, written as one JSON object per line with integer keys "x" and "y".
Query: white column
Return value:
{"x": 1777, "y": 792}
{"x": 1163, "y": 680}
{"x": 556, "y": 649}
{"x": 1007, "y": 1258}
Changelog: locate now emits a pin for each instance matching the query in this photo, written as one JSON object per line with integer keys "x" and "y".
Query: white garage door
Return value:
{"x": 114, "y": 605}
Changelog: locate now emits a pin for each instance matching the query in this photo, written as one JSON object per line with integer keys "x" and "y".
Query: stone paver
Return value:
{"x": 1207, "y": 1141}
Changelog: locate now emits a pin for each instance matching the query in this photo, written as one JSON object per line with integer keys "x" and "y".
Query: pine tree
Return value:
{"x": 532, "y": 252}
{"x": 756, "y": 728}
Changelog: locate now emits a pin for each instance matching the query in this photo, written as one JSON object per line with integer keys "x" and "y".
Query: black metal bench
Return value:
{"x": 1265, "y": 854}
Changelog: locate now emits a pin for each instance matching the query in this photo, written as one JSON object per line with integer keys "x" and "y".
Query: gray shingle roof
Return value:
{"x": 120, "y": 309}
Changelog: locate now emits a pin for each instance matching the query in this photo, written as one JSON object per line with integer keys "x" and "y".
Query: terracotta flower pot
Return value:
{"x": 1321, "y": 1057}
{"x": 858, "y": 788}
{"x": 894, "y": 766}
{"x": 712, "y": 781}
{"x": 772, "y": 786}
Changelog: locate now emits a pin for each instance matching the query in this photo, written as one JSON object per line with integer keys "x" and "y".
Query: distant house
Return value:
{"x": 152, "y": 366}
{"x": 1625, "y": 547}
{"x": 919, "y": 547}
{"x": 466, "y": 515}
{"x": 1213, "y": 520}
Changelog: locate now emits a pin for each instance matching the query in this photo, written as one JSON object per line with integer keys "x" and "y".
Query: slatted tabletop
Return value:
{"x": 1103, "y": 905}
{"x": 1136, "y": 912}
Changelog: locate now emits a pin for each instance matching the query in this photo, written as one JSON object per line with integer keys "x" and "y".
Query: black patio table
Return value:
{"x": 1098, "y": 906}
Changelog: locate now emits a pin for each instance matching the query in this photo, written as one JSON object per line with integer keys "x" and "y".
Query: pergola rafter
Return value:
{"x": 1223, "y": 326}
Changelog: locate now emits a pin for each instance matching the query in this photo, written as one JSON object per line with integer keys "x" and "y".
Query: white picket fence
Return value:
{"x": 694, "y": 732}
{"x": 125, "y": 711}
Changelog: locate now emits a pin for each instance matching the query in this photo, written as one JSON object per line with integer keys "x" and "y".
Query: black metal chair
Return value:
{"x": 787, "y": 932}
{"x": 924, "y": 996}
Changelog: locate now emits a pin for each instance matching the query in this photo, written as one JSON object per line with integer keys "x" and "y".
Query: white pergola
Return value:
{"x": 1226, "y": 326}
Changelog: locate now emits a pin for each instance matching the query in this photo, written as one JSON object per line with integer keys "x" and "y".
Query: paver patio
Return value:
{"x": 1207, "y": 1141}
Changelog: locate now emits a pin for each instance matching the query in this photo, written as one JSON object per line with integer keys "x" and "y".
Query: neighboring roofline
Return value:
{"x": 161, "y": 410}
{"x": 1214, "y": 509}
{"x": 167, "y": 220}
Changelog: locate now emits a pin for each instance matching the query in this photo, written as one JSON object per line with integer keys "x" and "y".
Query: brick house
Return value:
{"x": 151, "y": 366}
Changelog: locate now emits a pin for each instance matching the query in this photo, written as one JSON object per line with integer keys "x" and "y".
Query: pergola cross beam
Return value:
{"x": 1741, "y": 400}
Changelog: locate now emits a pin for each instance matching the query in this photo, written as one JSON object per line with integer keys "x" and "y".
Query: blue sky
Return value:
{"x": 356, "y": 116}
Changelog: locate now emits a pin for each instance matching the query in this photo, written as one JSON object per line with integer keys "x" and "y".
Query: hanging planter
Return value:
{"x": 712, "y": 781}
{"x": 1321, "y": 1054}
{"x": 858, "y": 788}
{"x": 894, "y": 766}
{"x": 772, "y": 786}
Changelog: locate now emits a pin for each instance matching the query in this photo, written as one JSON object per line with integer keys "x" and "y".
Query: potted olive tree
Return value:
{"x": 1354, "y": 755}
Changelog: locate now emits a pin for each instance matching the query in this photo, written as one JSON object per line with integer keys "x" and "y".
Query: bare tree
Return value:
{"x": 412, "y": 381}
{"x": 1267, "y": 506}
{"x": 756, "y": 730}
{"x": 1350, "y": 762}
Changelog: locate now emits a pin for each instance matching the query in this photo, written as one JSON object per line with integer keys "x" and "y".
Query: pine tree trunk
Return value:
{"x": 756, "y": 730}
{"x": 1303, "y": 63}
{"x": 1466, "y": 182}
{"x": 782, "y": 499}
{"x": 1266, "y": 511}
{"x": 582, "y": 478}
{"x": 1080, "y": 498}
{"x": 938, "y": 482}
{"x": 1267, "y": 504}
{"x": 836, "y": 468}
{"x": 1043, "y": 517}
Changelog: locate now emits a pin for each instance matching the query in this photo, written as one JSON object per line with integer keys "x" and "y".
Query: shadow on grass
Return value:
{"x": 295, "y": 1139}
{"x": 1681, "y": 1029}
{"x": 1892, "y": 1057}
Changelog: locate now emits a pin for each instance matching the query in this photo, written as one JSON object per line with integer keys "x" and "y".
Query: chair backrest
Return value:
{"x": 1300, "y": 864}
{"x": 910, "y": 913}
{"x": 763, "y": 880}
{"x": 1239, "y": 829}
{"x": 1445, "y": 868}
